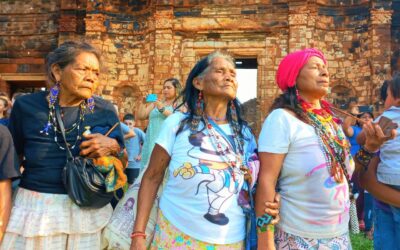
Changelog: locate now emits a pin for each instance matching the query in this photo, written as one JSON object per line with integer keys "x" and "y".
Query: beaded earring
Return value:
{"x": 198, "y": 113}
{"x": 53, "y": 95}
{"x": 90, "y": 104}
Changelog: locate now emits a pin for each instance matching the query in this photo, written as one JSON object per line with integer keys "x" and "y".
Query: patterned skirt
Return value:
{"x": 52, "y": 221}
{"x": 167, "y": 236}
{"x": 286, "y": 241}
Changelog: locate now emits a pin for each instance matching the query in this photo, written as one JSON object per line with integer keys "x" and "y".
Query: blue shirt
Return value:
{"x": 134, "y": 147}
{"x": 353, "y": 142}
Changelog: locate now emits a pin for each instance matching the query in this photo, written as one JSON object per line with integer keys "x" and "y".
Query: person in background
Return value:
{"x": 9, "y": 170}
{"x": 157, "y": 112}
{"x": 134, "y": 148}
{"x": 387, "y": 228}
{"x": 351, "y": 129}
{"x": 4, "y": 107}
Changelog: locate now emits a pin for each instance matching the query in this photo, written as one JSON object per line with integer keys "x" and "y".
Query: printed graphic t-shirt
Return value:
{"x": 313, "y": 205}
{"x": 200, "y": 197}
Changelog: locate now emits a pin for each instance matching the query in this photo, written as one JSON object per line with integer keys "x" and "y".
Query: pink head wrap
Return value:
{"x": 290, "y": 66}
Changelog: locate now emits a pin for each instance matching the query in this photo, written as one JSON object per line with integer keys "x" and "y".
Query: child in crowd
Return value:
{"x": 134, "y": 148}
{"x": 387, "y": 219}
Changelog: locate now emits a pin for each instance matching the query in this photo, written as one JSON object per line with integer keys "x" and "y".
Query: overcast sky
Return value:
{"x": 247, "y": 79}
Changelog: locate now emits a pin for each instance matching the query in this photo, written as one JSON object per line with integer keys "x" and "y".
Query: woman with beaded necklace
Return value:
{"x": 203, "y": 153}
{"x": 43, "y": 216}
{"x": 304, "y": 154}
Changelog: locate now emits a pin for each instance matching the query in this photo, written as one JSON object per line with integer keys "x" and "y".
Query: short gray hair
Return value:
{"x": 65, "y": 54}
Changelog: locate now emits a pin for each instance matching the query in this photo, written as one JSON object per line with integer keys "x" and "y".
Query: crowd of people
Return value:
{"x": 197, "y": 178}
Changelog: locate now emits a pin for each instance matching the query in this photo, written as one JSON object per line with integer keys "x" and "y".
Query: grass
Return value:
{"x": 359, "y": 242}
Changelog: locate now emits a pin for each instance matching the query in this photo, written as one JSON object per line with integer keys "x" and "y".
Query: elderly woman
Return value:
{"x": 157, "y": 112}
{"x": 305, "y": 155}
{"x": 43, "y": 216}
{"x": 202, "y": 152}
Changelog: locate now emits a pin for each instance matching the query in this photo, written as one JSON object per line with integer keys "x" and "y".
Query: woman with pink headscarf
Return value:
{"x": 305, "y": 156}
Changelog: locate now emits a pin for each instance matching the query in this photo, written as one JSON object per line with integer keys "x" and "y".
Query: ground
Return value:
{"x": 359, "y": 242}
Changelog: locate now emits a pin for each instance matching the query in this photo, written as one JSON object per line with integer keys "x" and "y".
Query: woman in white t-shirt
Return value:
{"x": 203, "y": 152}
{"x": 305, "y": 156}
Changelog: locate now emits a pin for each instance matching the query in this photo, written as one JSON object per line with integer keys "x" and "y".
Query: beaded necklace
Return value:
{"x": 232, "y": 160}
{"x": 331, "y": 138}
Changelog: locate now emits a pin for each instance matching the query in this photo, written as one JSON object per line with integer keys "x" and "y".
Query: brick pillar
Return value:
{"x": 163, "y": 46}
{"x": 380, "y": 35}
{"x": 5, "y": 87}
{"x": 301, "y": 19}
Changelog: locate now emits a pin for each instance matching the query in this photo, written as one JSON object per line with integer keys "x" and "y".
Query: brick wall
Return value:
{"x": 144, "y": 42}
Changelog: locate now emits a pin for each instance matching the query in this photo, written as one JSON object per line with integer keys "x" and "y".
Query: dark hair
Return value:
{"x": 394, "y": 86}
{"x": 65, "y": 54}
{"x": 129, "y": 117}
{"x": 363, "y": 113}
{"x": 383, "y": 91}
{"x": 288, "y": 100}
{"x": 190, "y": 94}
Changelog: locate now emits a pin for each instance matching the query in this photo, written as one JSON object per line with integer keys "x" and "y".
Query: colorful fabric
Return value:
{"x": 313, "y": 204}
{"x": 156, "y": 120}
{"x": 290, "y": 66}
{"x": 117, "y": 233}
{"x": 53, "y": 221}
{"x": 202, "y": 188}
{"x": 114, "y": 170}
{"x": 285, "y": 241}
{"x": 167, "y": 236}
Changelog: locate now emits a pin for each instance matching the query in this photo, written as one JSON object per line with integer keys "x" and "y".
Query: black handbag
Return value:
{"x": 82, "y": 180}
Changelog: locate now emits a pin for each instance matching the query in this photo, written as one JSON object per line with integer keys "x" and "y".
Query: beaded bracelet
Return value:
{"x": 265, "y": 228}
{"x": 138, "y": 234}
{"x": 363, "y": 156}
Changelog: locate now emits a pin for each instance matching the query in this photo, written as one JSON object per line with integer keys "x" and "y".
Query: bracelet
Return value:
{"x": 263, "y": 229}
{"x": 263, "y": 223}
{"x": 161, "y": 110}
{"x": 138, "y": 234}
{"x": 363, "y": 156}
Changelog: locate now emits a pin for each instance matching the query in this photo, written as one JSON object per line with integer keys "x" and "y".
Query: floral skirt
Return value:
{"x": 286, "y": 241}
{"x": 53, "y": 221}
{"x": 167, "y": 236}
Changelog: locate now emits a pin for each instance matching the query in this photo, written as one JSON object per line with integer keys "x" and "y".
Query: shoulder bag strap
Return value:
{"x": 61, "y": 124}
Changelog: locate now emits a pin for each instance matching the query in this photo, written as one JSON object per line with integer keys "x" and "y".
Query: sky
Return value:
{"x": 247, "y": 79}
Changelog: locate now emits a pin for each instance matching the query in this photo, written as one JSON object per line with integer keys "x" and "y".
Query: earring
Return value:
{"x": 53, "y": 96}
{"x": 198, "y": 113}
{"x": 90, "y": 104}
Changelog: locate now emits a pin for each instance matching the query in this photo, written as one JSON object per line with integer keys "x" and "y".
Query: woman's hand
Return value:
{"x": 97, "y": 145}
{"x": 138, "y": 243}
{"x": 374, "y": 136}
{"x": 272, "y": 208}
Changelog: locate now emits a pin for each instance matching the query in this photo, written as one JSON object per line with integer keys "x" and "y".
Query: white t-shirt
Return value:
{"x": 313, "y": 205}
{"x": 389, "y": 168}
{"x": 200, "y": 196}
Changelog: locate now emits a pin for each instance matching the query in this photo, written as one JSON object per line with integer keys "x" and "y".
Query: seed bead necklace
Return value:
{"x": 331, "y": 138}
{"x": 226, "y": 154}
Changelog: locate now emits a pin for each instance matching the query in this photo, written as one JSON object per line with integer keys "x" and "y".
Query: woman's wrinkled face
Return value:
{"x": 219, "y": 80}
{"x": 80, "y": 78}
{"x": 169, "y": 91}
{"x": 313, "y": 79}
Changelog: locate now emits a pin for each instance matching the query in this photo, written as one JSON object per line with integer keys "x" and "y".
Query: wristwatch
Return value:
{"x": 161, "y": 110}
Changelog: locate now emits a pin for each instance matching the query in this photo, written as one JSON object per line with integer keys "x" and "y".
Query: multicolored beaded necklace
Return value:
{"x": 331, "y": 138}
{"x": 52, "y": 99}
{"x": 232, "y": 160}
